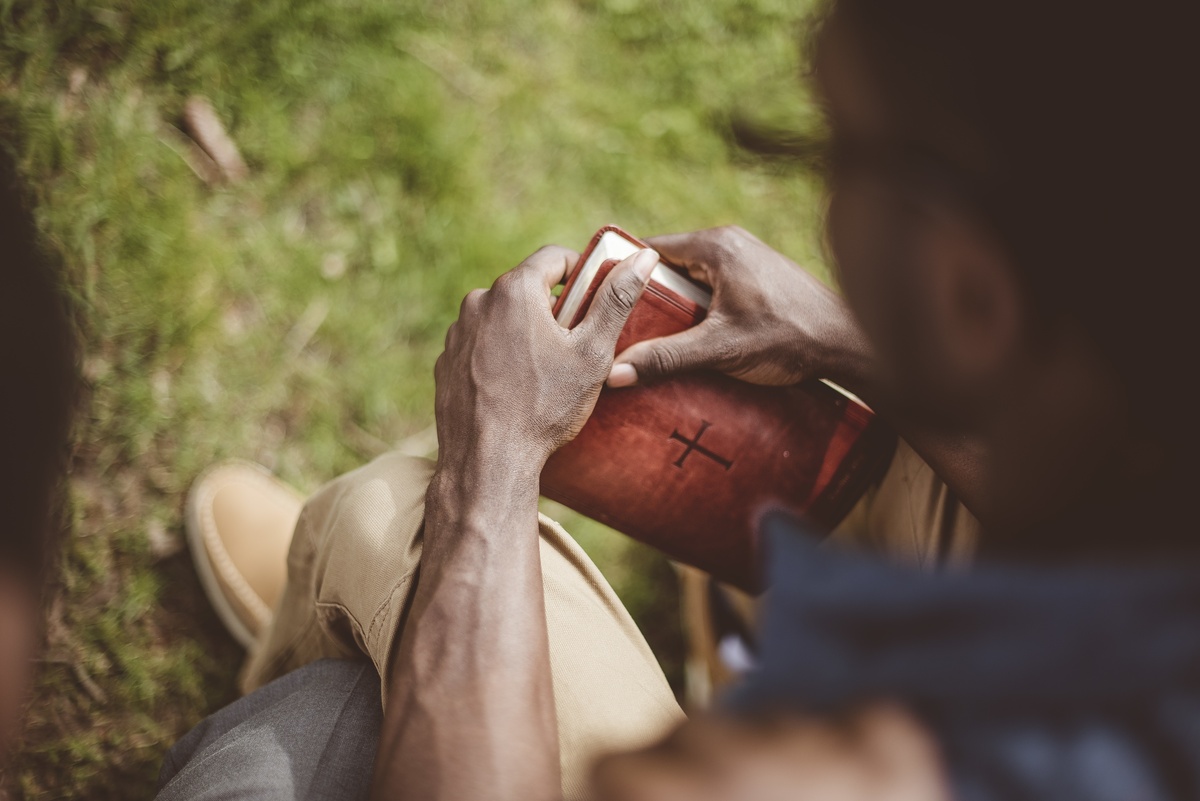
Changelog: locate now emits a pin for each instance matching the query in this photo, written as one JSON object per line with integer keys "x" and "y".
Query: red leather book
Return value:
{"x": 689, "y": 463}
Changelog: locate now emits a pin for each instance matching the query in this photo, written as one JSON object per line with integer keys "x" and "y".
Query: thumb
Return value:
{"x": 652, "y": 359}
{"x": 616, "y": 298}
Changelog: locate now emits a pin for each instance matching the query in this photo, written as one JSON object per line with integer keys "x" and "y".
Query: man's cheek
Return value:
{"x": 858, "y": 236}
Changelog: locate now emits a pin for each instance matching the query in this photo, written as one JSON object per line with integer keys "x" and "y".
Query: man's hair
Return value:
{"x": 37, "y": 367}
{"x": 1068, "y": 129}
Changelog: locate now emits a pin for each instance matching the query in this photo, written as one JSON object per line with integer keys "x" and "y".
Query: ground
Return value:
{"x": 400, "y": 154}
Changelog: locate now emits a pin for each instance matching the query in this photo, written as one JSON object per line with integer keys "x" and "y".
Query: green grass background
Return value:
{"x": 401, "y": 153}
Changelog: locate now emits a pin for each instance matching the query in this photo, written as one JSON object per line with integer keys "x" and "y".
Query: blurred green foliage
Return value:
{"x": 401, "y": 154}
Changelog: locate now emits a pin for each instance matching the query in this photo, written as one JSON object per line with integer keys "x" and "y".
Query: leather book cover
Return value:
{"x": 689, "y": 463}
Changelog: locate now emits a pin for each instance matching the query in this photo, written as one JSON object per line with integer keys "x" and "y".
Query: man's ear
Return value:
{"x": 976, "y": 303}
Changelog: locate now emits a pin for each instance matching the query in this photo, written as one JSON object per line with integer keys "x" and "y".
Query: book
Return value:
{"x": 688, "y": 464}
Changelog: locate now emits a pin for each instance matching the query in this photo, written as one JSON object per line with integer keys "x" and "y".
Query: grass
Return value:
{"x": 401, "y": 154}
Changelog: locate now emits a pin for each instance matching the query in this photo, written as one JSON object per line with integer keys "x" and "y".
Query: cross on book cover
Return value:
{"x": 689, "y": 463}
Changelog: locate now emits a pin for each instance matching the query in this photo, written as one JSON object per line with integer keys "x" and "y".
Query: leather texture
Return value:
{"x": 689, "y": 464}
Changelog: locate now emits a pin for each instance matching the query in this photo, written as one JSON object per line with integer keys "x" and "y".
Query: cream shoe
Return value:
{"x": 240, "y": 520}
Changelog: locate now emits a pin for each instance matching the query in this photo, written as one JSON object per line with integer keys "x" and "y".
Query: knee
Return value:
{"x": 371, "y": 516}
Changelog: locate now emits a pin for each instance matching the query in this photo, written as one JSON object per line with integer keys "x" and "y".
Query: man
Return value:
{"x": 994, "y": 327}
{"x": 1007, "y": 200}
{"x": 478, "y": 628}
{"x": 37, "y": 365}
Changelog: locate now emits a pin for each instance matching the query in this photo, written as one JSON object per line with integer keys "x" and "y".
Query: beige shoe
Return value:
{"x": 240, "y": 521}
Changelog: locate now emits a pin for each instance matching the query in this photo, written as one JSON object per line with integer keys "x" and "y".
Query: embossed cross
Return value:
{"x": 694, "y": 445}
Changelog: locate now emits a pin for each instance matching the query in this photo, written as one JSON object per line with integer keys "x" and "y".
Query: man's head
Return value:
{"x": 1008, "y": 192}
{"x": 36, "y": 396}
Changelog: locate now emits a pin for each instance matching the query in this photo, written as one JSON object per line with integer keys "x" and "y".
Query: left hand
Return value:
{"x": 513, "y": 383}
{"x": 879, "y": 754}
{"x": 770, "y": 321}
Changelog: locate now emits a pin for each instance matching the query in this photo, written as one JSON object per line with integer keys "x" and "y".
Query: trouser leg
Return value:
{"x": 351, "y": 573}
{"x": 911, "y": 516}
{"x": 310, "y": 735}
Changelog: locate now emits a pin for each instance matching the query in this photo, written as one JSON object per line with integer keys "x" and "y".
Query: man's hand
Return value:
{"x": 770, "y": 321}
{"x": 879, "y": 754}
{"x": 512, "y": 378}
{"x": 471, "y": 710}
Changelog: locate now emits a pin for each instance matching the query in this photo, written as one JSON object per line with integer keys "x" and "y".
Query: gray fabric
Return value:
{"x": 311, "y": 734}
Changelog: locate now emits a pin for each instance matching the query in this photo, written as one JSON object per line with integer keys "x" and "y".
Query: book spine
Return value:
{"x": 855, "y": 460}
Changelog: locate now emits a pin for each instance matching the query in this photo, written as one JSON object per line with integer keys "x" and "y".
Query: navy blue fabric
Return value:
{"x": 1040, "y": 683}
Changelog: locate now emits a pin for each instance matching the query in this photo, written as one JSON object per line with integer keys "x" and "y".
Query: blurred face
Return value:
{"x": 942, "y": 302}
{"x": 929, "y": 286}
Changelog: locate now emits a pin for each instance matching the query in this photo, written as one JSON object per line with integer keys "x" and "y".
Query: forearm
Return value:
{"x": 471, "y": 709}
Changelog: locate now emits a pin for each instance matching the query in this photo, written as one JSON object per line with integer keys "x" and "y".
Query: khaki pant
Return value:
{"x": 353, "y": 562}
{"x": 911, "y": 517}
{"x": 351, "y": 574}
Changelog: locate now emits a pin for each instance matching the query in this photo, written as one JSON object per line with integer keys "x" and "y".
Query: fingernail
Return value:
{"x": 644, "y": 262}
{"x": 622, "y": 375}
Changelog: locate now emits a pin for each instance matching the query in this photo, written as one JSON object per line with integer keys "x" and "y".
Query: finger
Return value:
{"x": 653, "y": 359}
{"x": 549, "y": 266}
{"x": 616, "y": 298}
{"x": 702, "y": 253}
{"x": 691, "y": 251}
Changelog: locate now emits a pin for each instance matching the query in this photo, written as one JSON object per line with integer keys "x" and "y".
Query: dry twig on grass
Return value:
{"x": 206, "y": 129}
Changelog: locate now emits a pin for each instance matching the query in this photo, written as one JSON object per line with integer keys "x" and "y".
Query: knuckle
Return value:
{"x": 722, "y": 242}
{"x": 622, "y": 295}
{"x": 728, "y": 233}
{"x": 732, "y": 246}
{"x": 664, "y": 360}
{"x": 549, "y": 252}
{"x": 592, "y": 362}
{"x": 473, "y": 300}
{"x": 587, "y": 349}
{"x": 596, "y": 353}
{"x": 723, "y": 343}
{"x": 508, "y": 282}
{"x": 727, "y": 350}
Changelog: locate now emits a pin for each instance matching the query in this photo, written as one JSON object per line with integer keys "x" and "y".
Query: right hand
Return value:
{"x": 514, "y": 384}
{"x": 770, "y": 322}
